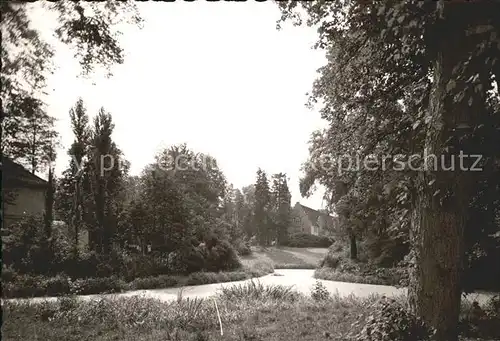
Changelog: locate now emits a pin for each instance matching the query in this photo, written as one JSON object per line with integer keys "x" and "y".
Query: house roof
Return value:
{"x": 313, "y": 215}
{"x": 14, "y": 176}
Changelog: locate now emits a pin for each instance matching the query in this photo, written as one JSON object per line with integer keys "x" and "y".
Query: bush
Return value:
{"x": 24, "y": 248}
{"x": 339, "y": 268}
{"x": 235, "y": 276}
{"x": 91, "y": 286}
{"x": 157, "y": 282}
{"x": 92, "y": 264}
{"x": 391, "y": 321}
{"x": 58, "y": 285}
{"x": 39, "y": 286}
{"x": 141, "y": 266}
{"x": 244, "y": 249}
{"x": 256, "y": 290}
{"x": 8, "y": 274}
{"x": 482, "y": 323}
{"x": 308, "y": 240}
{"x": 24, "y": 286}
{"x": 261, "y": 268}
{"x": 319, "y": 292}
{"x": 201, "y": 278}
{"x": 222, "y": 257}
{"x": 338, "y": 276}
{"x": 187, "y": 260}
{"x": 331, "y": 260}
{"x": 386, "y": 252}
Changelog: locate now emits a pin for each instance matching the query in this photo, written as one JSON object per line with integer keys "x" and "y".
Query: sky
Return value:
{"x": 217, "y": 76}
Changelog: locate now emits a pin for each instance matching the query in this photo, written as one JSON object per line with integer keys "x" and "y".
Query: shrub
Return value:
{"x": 308, "y": 240}
{"x": 222, "y": 257}
{"x": 482, "y": 323}
{"x": 24, "y": 286}
{"x": 337, "y": 246}
{"x": 494, "y": 305}
{"x": 256, "y": 290}
{"x": 391, "y": 321}
{"x": 187, "y": 260}
{"x": 154, "y": 282}
{"x": 36, "y": 286}
{"x": 139, "y": 266}
{"x": 58, "y": 285}
{"x": 319, "y": 292}
{"x": 24, "y": 246}
{"x": 338, "y": 276}
{"x": 201, "y": 278}
{"x": 261, "y": 268}
{"x": 89, "y": 286}
{"x": 244, "y": 249}
{"x": 330, "y": 260}
{"x": 235, "y": 276}
{"x": 195, "y": 259}
{"x": 85, "y": 265}
{"x": 8, "y": 274}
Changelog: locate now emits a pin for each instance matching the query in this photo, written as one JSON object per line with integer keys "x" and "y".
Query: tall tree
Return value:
{"x": 239, "y": 210}
{"x": 27, "y": 58}
{"x": 71, "y": 196}
{"x": 441, "y": 206}
{"x": 49, "y": 207}
{"x": 281, "y": 209}
{"x": 231, "y": 213}
{"x": 77, "y": 152}
{"x": 261, "y": 210}
{"x": 248, "y": 211}
{"x": 35, "y": 136}
{"x": 382, "y": 55}
{"x": 107, "y": 171}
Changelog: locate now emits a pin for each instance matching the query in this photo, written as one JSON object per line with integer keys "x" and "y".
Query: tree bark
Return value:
{"x": 49, "y": 205}
{"x": 441, "y": 204}
{"x": 353, "y": 246}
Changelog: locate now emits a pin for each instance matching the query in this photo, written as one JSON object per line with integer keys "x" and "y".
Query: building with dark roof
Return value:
{"x": 308, "y": 220}
{"x": 23, "y": 193}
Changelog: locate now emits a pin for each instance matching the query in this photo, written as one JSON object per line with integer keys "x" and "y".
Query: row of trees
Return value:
{"x": 182, "y": 195}
{"x": 180, "y": 200}
{"x": 411, "y": 77}
{"x": 90, "y": 193}
{"x": 272, "y": 210}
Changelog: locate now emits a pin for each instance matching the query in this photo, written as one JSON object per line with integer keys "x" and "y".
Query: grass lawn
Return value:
{"x": 286, "y": 257}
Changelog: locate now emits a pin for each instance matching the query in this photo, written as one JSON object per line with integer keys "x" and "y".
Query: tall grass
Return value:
{"x": 250, "y": 311}
{"x": 255, "y": 290}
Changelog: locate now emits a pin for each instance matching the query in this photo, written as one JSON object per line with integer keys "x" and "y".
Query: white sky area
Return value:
{"x": 218, "y": 76}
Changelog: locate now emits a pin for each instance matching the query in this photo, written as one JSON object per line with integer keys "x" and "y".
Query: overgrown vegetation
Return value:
{"x": 248, "y": 312}
{"x": 402, "y": 78}
{"x": 338, "y": 266}
{"x": 409, "y": 88}
{"x": 179, "y": 218}
{"x": 308, "y": 240}
{"x": 94, "y": 274}
{"x": 62, "y": 285}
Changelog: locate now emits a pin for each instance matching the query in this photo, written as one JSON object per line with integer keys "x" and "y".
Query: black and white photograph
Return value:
{"x": 250, "y": 170}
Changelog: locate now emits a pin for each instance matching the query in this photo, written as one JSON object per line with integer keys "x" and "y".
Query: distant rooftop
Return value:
{"x": 14, "y": 175}
{"x": 313, "y": 214}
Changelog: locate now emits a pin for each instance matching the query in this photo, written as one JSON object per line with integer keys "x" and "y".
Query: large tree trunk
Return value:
{"x": 440, "y": 208}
